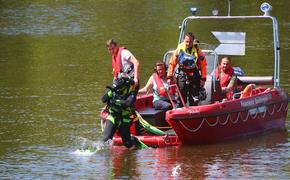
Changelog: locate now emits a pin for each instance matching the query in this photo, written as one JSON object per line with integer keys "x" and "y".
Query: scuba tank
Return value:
{"x": 186, "y": 61}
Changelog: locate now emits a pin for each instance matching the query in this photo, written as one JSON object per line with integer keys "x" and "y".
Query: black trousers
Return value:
{"x": 162, "y": 105}
{"x": 189, "y": 87}
{"x": 124, "y": 130}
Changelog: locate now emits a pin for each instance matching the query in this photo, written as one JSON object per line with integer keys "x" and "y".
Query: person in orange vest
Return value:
{"x": 226, "y": 75}
{"x": 123, "y": 61}
{"x": 121, "y": 97}
{"x": 191, "y": 71}
{"x": 158, "y": 82}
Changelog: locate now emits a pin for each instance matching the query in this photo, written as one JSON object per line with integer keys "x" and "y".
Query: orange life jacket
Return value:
{"x": 160, "y": 86}
{"x": 116, "y": 62}
{"x": 196, "y": 52}
{"x": 224, "y": 81}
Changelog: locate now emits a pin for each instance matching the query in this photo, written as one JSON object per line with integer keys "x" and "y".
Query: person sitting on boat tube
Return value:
{"x": 120, "y": 98}
{"x": 158, "y": 82}
{"x": 226, "y": 75}
{"x": 191, "y": 72}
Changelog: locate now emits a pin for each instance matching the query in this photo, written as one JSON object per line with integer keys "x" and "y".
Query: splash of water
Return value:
{"x": 88, "y": 147}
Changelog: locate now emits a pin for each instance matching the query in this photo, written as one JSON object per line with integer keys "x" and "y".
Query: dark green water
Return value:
{"x": 54, "y": 67}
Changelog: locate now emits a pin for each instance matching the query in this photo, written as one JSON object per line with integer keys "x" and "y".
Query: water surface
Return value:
{"x": 54, "y": 67}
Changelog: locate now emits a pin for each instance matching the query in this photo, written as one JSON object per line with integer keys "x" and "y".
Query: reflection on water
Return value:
{"x": 54, "y": 67}
{"x": 252, "y": 158}
{"x": 244, "y": 158}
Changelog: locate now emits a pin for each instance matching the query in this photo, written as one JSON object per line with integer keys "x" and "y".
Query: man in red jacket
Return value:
{"x": 120, "y": 99}
{"x": 225, "y": 74}
{"x": 123, "y": 61}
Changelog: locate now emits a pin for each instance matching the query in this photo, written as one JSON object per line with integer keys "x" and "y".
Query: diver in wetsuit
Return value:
{"x": 120, "y": 100}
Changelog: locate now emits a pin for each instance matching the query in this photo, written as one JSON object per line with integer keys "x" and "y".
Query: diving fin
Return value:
{"x": 139, "y": 144}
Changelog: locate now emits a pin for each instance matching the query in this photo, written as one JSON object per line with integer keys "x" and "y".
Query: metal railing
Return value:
{"x": 275, "y": 36}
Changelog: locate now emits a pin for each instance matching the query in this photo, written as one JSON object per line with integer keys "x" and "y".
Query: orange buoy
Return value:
{"x": 248, "y": 90}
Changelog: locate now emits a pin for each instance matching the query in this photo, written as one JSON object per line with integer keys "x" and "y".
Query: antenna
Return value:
{"x": 229, "y": 7}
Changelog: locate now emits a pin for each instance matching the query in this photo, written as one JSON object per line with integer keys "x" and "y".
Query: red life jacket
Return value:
{"x": 117, "y": 62}
{"x": 226, "y": 77}
{"x": 160, "y": 86}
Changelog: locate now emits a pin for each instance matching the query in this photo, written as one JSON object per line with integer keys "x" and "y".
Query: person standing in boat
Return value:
{"x": 226, "y": 75}
{"x": 120, "y": 99}
{"x": 191, "y": 72}
{"x": 158, "y": 82}
{"x": 123, "y": 61}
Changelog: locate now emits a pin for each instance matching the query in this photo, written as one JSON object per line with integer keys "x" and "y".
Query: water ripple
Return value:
{"x": 41, "y": 19}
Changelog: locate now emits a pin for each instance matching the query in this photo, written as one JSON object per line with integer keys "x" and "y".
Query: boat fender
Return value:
{"x": 248, "y": 90}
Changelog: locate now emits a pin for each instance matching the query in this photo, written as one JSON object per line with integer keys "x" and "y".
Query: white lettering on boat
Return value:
{"x": 248, "y": 103}
{"x": 261, "y": 109}
{"x": 252, "y": 111}
{"x": 255, "y": 101}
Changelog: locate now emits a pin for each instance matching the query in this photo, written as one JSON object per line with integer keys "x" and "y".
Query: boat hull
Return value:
{"x": 222, "y": 121}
